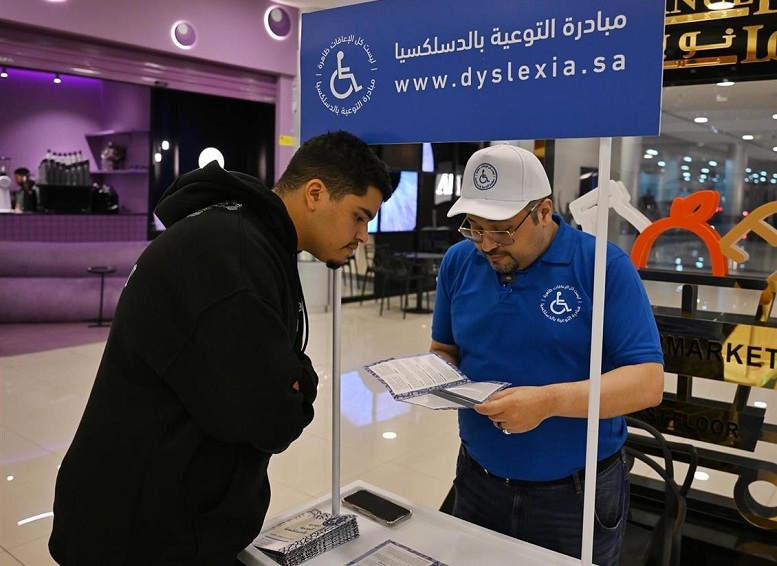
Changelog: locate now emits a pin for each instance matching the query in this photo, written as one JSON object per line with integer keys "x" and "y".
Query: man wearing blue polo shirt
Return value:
{"x": 514, "y": 303}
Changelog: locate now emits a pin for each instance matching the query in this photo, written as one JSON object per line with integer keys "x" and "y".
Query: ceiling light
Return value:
{"x": 277, "y": 22}
{"x": 726, "y": 82}
{"x": 651, "y": 151}
{"x": 57, "y": 80}
{"x": 389, "y": 435}
{"x": 647, "y": 156}
{"x": 4, "y": 74}
{"x": 165, "y": 145}
{"x": 774, "y": 148}
{"x": 701, "y": 476}
{"x": 700, "y": 119}
{"x": 210, "y": 154}
{"x": 720, "y": 5}
{"x": 183, "y": 34}
{"x": 687, "y": 159}
{"x": 661, "y": 163}
{"x": 748, "y": 137}
{"x": 713, "y": 163}
{"x": 774, "y": 116}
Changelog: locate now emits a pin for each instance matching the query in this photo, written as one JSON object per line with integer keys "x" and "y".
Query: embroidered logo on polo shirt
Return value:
{"x": 561, "y": 303}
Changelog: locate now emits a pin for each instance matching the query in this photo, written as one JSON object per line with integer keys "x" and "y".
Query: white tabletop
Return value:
{"x": 430, "y": 532}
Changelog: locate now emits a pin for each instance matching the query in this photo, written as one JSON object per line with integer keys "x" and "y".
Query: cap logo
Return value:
{"x": 484, "y": 177}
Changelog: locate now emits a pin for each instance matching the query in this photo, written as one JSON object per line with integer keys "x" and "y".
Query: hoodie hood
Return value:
{"x": 212, "y": 185}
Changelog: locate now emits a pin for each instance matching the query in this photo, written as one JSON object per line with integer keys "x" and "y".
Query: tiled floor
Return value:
{"x": 42, "y": 396}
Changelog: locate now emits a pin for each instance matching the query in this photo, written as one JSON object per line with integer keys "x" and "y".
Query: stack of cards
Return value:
{"x": 307, "y": 535}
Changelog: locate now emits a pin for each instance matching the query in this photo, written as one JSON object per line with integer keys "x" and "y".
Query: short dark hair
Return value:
{"x": 23, "y": 171}
{"x": 342, "y": 161}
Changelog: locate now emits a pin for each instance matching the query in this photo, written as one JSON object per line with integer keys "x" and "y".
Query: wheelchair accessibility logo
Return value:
{"x": 561, "y": 303}
{"x": 344, "y": 82}
{"x": 484, "y": 176}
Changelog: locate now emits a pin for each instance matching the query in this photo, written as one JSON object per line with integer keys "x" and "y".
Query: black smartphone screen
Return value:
{"x": 376, "y": 506}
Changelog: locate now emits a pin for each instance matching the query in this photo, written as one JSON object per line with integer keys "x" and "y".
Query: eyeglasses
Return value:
{"x": 499, "y": 237}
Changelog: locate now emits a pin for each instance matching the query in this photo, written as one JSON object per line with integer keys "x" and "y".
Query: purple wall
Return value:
{"x": 37, "y": 115}
{"x": 234, "y": 54}
{"x": 227, "y": 32}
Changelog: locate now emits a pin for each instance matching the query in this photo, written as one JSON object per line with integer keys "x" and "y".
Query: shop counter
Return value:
{"x": 430, "y": 532}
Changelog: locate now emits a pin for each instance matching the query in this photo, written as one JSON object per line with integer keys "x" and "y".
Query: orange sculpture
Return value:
{"x": 688, "y": 213}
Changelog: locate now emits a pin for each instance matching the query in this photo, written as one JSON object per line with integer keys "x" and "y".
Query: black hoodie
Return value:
{"x": 195, "y": 388}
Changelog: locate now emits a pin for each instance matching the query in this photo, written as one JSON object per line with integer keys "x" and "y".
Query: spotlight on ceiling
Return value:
{"x": 277, "y": 22}
{"x": 183, "y": 34}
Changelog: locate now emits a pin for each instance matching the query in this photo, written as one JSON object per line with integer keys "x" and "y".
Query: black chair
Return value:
{"x": 373, "y": 253}
{"x": 102, "y": 271}
{"x": 350, "y": 270}
{"x": 395, "y": 271}
{"x": 658, "y": 544}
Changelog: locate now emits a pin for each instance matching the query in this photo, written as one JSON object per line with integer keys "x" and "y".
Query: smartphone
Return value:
{"x": 376, "y": 507}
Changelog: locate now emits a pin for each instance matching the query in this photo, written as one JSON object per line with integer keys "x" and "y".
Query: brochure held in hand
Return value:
{"x": 430, "y": 381}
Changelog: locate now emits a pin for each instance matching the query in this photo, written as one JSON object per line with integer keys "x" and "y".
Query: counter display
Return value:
{"x": 429, "y": 532}
{"x": 37, "y": 227}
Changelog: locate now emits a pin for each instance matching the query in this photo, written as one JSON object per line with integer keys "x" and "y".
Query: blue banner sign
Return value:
{"x": 400, "y": 71}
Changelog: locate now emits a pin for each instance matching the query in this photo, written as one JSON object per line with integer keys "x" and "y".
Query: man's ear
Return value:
{"x": 315, "y": 191}
{"x": 546, "y": 209}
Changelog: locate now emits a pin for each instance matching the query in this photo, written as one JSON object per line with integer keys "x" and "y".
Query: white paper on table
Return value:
{"x": 391, "y": 553}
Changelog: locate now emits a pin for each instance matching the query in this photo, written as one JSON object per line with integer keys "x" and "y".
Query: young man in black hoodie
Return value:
{"x": 204, "y": 374}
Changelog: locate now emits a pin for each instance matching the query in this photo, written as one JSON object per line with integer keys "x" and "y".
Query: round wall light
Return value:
{"x": 277, "y": 22}
{"x": 210, "y": 154}
{"x": 183, "y": 34}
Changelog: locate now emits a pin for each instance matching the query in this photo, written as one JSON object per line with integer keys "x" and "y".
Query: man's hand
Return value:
{"x": 517, "y": 409}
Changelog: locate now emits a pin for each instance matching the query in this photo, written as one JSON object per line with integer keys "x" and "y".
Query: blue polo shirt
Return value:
{"x": 537, "y": 331}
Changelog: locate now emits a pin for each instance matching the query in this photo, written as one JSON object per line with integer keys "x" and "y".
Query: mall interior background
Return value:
{"x": 123, "y": 76}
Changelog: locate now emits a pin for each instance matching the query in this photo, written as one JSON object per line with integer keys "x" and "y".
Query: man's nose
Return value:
{"x": 487, "y": 244}
{"x": 362, "y": 235}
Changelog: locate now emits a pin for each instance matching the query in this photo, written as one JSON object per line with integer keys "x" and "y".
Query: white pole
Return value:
{"x": 337, "y": 291}
{"x": 595, "y": 371}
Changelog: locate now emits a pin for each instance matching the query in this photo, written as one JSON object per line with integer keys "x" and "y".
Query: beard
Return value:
{"x": 332, "y": 264}
{"x": 509, "y": 267}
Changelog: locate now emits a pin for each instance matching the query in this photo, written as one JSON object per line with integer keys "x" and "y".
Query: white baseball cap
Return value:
{"x": 499, "y": 181}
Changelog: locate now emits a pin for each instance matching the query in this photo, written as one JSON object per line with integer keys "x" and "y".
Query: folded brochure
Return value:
{"x": 307, "y": 535}
{"x": 431, "y": 381}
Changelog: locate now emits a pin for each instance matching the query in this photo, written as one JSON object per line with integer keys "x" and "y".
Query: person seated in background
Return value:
{"x": 26, "y": 197}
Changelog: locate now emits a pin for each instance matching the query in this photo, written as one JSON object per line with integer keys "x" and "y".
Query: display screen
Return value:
{"x": 398, "y": 214}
